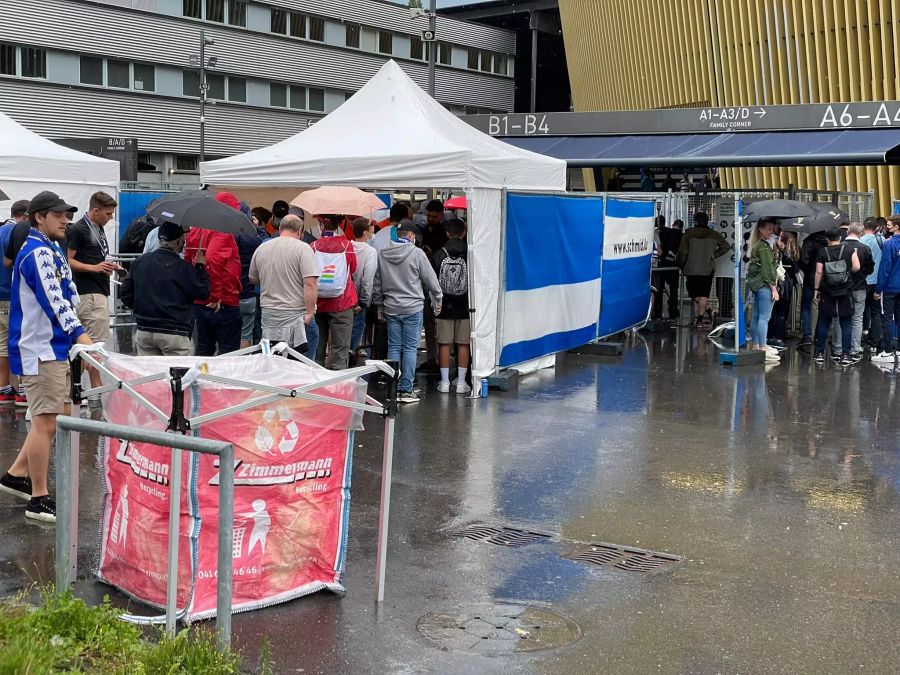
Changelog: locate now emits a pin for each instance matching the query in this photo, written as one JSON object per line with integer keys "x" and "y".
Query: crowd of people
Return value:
{"x": 851, "y": 273}
{"x": 340, "y": 291}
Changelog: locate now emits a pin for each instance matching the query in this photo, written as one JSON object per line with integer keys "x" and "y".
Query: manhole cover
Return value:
{"x": 498, "y": 629}
{"x": 625, "y": 558}
{"x": 503, "y": 536}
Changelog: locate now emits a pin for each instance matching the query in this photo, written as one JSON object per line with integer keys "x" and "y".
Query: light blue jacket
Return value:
{"x": 874, "y": 242}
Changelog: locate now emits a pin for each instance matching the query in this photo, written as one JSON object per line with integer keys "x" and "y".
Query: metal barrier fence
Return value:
{"x": 67, "y": 484}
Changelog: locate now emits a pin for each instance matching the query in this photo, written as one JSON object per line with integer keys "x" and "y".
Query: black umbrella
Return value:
{"x": 198, "y": 208}
{"x": 3, "y": 196}
{"x": 776, "y": 208}
{"x": 825, "y": 216}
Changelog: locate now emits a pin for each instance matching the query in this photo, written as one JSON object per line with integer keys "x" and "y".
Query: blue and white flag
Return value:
{"x": 627, "y": 257}
{"x": 551, "y": 300}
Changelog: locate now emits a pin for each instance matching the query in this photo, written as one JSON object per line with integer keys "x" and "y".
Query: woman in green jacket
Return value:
{"x": 762, "y": 280}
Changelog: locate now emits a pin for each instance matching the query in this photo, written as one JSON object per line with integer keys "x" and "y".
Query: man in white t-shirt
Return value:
{"x": 287, "y": 273}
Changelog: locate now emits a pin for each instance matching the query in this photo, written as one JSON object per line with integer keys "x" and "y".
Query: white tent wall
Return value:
{"x": 484, "y": 236}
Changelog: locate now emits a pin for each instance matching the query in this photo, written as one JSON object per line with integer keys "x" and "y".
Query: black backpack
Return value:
{"x": 136, "y": 236}
{"x": 837, "y": 274}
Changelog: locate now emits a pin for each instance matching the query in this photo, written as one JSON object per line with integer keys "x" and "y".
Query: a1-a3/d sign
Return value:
{"x": 818, "y": 116}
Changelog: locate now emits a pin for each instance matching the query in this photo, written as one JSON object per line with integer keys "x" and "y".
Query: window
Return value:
{"x": 237, "y": 13}
{"x": 298, "y": 97}
{"x": 7, "y": 59}
{"x": 215, "y": 10}
{"x": 317, "y": 100}
{"x": 487, "y": 61}
{"x": 146, "y": 162}
{"x": 473, "y": 59}
{"x": 279, "y": 21}
{"x": 144, "y": 77}
{"x": 91, "y": 70}
{"x": 216, "y": 84}
{"x": 278, "y": 95}
{"x": 385, "y": 42}
{"x": 416, "y": 50}
{"x": 316, "y": 29}
{"x": 237, "y": 89}
{"x": 192, "y": 8}
{"x": 445, "y": 54}
{"x": 186, "y": 163}
{"x": 501, "y": 64}
{"x": 34, "y": 62}
{"x": 298, "y": 25}
{"x": 190, "y": 83}
{"x": 348, "y": 95}
{"x": 353, "y": 35}
{"x": 118, "y": 74}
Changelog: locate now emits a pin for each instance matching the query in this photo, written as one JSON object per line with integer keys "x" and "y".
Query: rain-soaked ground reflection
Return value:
{"x": 779, "y": 486}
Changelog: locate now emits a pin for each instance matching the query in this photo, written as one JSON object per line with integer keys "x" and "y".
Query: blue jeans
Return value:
{"x": 806, "y": 311}
{"x": 312, "y": 339}
{"x": 217, "y": 330}
{"x": 823, "y": 325}
{"x": 404, "y": 333}
{"x": 762, "y": 312}
{"x": 359, "y": 327}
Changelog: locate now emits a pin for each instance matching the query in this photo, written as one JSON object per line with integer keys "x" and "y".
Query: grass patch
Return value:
{"x": 65, "y": 635}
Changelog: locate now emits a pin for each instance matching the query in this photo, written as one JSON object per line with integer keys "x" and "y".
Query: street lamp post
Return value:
{"x": 432, "y": 53}
{"x": 204, "y": 88}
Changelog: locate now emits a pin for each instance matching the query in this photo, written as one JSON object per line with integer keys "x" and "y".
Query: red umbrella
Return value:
{"x": 456, "y": 203}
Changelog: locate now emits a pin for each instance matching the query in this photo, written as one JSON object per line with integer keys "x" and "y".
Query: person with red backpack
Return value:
{"x": 337, "y": 294}
{"x": 453, "y": 325}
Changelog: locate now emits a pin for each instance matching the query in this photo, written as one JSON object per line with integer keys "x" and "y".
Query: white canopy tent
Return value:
{"x": 30, "y": 163}
{"x": 391, "y": 134}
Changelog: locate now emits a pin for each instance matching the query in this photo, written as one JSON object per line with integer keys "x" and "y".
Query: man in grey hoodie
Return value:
{"x": 403, "y": 272}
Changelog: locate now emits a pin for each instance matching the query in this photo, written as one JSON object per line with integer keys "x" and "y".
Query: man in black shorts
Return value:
{"x": 697, "y": 253}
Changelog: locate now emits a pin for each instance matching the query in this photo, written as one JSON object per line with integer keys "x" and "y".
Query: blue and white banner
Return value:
{"x": 551, "y": 299}
{"x": 627, "y": 260}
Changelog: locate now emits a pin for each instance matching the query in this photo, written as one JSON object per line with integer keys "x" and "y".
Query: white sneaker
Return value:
{"x": 772, "y": 358}
{"x": 463, "y": 388}
{"x": 771, "y": 350}
{"x": 443, "y": 387}
{"x": 884, "y": 357}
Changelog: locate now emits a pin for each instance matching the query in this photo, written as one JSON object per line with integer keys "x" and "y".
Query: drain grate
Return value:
{"x": 625, "y": 558}
{"x": 498, "y": 628}
{"x": 502, "y": 536}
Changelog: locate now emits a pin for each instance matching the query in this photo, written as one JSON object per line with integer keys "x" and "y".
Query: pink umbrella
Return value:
{"x": 339, "y": 200}
{"x": 456, "y": 203}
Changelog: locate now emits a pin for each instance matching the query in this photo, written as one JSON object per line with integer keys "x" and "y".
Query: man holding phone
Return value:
{"x": 88, "y": 253}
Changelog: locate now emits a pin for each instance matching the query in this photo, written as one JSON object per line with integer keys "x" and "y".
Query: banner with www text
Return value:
{"x": 627, "y": 262}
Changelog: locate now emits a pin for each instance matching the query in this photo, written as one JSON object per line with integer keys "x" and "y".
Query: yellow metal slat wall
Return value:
{"x": 640, "y": 54}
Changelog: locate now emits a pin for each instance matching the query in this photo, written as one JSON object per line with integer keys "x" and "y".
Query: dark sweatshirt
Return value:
{"x": 162, "y": 289}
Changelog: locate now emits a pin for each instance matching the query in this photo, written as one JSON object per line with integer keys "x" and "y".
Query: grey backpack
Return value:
{"x": 837, "y": 273}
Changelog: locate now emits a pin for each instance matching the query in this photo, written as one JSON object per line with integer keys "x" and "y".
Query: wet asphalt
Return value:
{"x": 780, "y": 489}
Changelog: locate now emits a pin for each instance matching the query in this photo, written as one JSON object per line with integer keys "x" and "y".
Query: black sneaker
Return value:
{"x": 819, "y": 357}
{"x": 805, "y": 341}
{"x": 846, "y": 360}
{"x": 408, "y": 397}
{"x": 856, "y": 357}
{"x": 835, "y": 357}
{"x": 42, "y": 509}
{"x": 16, "y": 486}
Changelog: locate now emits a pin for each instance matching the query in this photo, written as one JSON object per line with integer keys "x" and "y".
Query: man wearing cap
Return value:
{"x": 164, "y": 307}
{"x": 43, "y": 327}
{"x": 88, "y": 253}
{"x": 403, "y": 271}
{"x": 18, "y": 214}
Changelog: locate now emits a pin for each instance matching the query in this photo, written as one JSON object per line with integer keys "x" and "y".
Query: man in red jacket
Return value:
{"x": 337, "y": 294}
{"x": 218, "y": 317}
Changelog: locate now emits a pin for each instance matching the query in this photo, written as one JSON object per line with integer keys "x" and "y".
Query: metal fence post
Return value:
{"x": 174, "y": 522}
{"x": 226, "y": 544}
{"x": 384, "y": 509}
{"x": 67, "y": 443}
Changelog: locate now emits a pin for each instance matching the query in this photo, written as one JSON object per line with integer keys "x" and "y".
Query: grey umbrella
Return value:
{"x": 777, "y": 208}
{"x": 198, "y": 208}
{"x": 825, "y": 216}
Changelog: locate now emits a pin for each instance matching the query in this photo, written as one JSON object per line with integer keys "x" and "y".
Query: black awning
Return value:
{"x": 776, "y": 148}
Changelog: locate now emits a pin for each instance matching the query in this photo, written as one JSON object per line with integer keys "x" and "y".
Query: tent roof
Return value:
{"x": 390, "y": 134}
{"x": 25, "y": 155}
